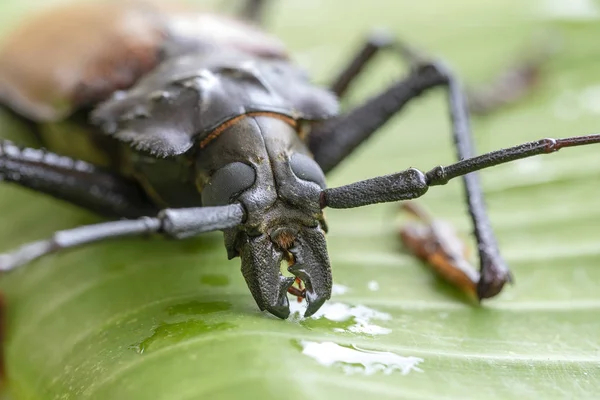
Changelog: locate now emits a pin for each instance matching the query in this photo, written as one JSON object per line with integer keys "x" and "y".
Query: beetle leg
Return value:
{"x": 174, "y": 223}
{"x": 78, "y": 182}
{"x": 375, "y": 43}
{"x": 510, "y": 86}
{"x": 337, "y": 138}
{"x": 333, "y": 140}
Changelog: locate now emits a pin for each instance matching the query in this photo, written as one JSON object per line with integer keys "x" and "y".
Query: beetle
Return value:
{"x": 190, "y": 122}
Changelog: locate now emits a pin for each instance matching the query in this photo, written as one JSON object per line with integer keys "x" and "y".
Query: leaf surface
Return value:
{"x": 139, "y": 319}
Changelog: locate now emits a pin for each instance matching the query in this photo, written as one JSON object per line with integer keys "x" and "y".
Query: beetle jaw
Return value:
{"x": 311, "y": 265}
{"x": 307, "y": 259}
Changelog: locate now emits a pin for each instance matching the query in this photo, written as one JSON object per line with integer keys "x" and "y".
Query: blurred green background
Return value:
{"x": 140, "y": 319}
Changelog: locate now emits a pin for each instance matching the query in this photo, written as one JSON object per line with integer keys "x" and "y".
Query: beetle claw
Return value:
{"x": 315, "y": 301}
{"x": 261, "y": 269}
{"x": 312, "y": 267}
{"x": 281, "y": 308}
{"x": 493, "y": 279}
{"x": 308, "y": 261}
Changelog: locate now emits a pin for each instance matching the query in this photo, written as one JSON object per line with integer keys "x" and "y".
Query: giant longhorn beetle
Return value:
{"x": 202, "y": 123}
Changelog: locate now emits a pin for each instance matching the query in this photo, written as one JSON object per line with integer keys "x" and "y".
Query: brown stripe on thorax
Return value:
{"x": 219, "y": 129}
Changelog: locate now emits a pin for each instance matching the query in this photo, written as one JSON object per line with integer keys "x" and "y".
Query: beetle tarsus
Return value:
{"x": 442, "y": 249}
{"x": 493, "y": 279}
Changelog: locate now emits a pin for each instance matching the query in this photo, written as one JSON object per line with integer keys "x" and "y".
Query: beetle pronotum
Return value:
{"x": 201, "y": 123}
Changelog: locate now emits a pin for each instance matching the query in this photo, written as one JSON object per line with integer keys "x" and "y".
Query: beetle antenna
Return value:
{"x": 175, "y": 223}
{"x": 412, "y": 183}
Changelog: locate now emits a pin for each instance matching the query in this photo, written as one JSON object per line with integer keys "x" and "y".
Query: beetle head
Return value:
{"x": 289, "y": 228}
{"x": 284, "y": 223}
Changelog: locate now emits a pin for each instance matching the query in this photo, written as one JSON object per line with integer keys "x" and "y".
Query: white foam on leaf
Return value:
{"x": 297, "y": 309}
{"x": 354, "y": 360}
{"x": 361, "y": 316}
{"x": 342, "y": 312}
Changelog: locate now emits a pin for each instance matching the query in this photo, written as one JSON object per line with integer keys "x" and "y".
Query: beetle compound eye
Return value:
{"x": 226, "y": 183}
{"x": 307, "y": 169}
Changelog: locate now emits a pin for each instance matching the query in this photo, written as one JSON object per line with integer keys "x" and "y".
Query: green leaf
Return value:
{"x": 160, "y": 319}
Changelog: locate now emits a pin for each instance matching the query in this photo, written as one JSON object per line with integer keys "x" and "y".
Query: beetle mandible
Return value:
{"x": 195, "y": 123}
